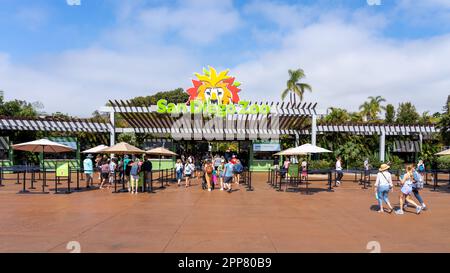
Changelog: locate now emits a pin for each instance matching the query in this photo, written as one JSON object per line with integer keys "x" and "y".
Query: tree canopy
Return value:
{"x": 176, "y": 96}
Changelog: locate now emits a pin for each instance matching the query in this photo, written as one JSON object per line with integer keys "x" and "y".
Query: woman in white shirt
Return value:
{"x": 339, "y": 172}
{"x": 179, "y": 171}
{"x": 382, "y": 187}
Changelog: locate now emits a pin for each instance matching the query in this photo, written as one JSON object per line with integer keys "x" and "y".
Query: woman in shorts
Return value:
{"x": 407, "y": 188}
{"x": 188, "y": 170}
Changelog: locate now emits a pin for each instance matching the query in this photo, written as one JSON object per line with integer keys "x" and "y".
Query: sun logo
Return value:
{"x": 214, "y": 88}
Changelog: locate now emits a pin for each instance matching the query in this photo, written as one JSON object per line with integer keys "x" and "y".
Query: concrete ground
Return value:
{"x": 191, "y": 220}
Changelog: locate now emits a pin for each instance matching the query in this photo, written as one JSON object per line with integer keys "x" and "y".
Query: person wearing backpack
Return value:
{"x": 209, "y": 168}
{"x": 112, "y": 172}
{"x": 228, "y": 177}
{"x": 134, "y": 176}
{"x": 104, "y": 168}
{"x": 421, "y": 167}
{"x": 237, "y": 170}
{"x": 416, "y": 187}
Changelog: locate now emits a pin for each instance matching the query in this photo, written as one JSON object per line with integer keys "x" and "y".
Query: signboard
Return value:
{"x": 266, "y": 146}
{"x": 214, "y": 93}
{"x": 62, "y": 170}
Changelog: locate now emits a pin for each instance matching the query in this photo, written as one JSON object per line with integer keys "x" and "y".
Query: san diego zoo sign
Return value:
{"x": 215, "y": 94}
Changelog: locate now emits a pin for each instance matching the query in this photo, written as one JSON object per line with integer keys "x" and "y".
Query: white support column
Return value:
{"x": 112, "y": 129}
{"x": 314, "y": 129}
{"x": 382, "y": 146}
{"x": 421, "y": 141}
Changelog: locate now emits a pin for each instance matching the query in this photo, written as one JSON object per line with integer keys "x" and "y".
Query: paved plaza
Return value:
{"x": 176, "y": 219}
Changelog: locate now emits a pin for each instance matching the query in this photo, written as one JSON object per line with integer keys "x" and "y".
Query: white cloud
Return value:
{"x": 345, "y": 59}
{"x": 79, "y": 82}
{"x": 347, "y": 63}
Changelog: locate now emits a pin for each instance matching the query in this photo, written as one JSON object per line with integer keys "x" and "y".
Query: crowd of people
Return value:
{"x": 213, "y": 171}
{"x": 111, "y": 170}
{"x": 411, "y": 183}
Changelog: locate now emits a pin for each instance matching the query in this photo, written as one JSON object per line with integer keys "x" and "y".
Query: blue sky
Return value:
{"x": 75, "y": 58}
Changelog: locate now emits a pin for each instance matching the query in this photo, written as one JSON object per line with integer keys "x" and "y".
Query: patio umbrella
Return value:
{"x": 160, "y": 151}
{"x": 308, "y": 149}
{"x": 122, "y": 148}
{"x": 42, "y": 146}
{"x": 96, "y": 150}
{"x": 446, "y": 152}
{"x": 285, "y": 152}
{"x": 305, "y": 149}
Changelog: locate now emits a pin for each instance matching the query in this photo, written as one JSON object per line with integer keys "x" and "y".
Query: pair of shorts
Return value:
{"x": 228, "y": 180}
{"x": 187, "y": 174}
{"x": 406, "y": 190}
{"x": 105, "y": 175}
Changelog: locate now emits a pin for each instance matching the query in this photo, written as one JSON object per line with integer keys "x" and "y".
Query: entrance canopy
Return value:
{"x": 283, "y": 118}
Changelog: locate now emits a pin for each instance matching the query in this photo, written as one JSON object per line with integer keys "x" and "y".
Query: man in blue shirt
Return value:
{"x": 88, "y": 168}
{"x": 228, "y": 176}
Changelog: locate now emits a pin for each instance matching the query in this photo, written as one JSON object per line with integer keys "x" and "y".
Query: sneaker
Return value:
{"x": 221, "y": 189}
{"x": 338, "y": 182}
{"x": 209, "y": 189}
{"x": 229, "y": 191}
{"x": 424, "y": 207}
{"x": 418, "y": 210}
{"x": 399, "y": 212}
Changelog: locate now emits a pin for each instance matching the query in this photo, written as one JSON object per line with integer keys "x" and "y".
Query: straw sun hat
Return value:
{"x": 384, "y": 167}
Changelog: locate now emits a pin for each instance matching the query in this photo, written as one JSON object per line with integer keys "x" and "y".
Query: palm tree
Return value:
{"x": 376, "y": 106}
{"x": 365, "y": 110}
{"x": 294, "y": 86}
{"x": 371, "y": 108}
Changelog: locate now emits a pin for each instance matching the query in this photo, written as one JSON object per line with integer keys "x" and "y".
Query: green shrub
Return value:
{"x": 320, "y": 164}
{"x": 443, "y": 162}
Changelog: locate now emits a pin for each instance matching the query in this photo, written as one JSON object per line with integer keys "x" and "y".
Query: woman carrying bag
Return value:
{"x": 382, "y": 187}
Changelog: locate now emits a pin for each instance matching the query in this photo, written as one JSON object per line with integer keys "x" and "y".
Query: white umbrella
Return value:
{"x": 446, "y": 152}
{"x": 285, "y": 152}
{"x": 96, "y": 150}
{"x": 305, "y": 149}
{"x": 309, "y": 149}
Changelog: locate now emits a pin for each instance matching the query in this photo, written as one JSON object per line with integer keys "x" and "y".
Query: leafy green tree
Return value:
{"x": 176, "y": 96}
{"x": 355, "y": 117}
{"x": 294, "y": 86}
{"x": 407, "y": 114}
{"x": 17, "y": 108}
{"x": 336, "y": 115}
{"x": 129, "y": 138}
{"x": 390, "y": 114}
{"x": 444, "y": 124}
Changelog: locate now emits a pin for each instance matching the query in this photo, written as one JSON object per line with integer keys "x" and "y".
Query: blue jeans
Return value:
{"x": 417, "y": 195}
{"x": 179, "y": 175}
{"x": 383, "y": 193}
